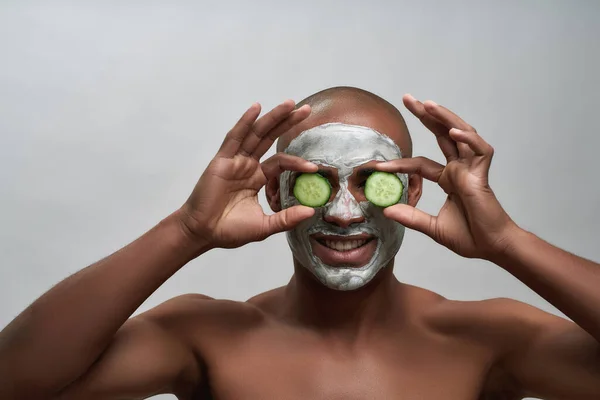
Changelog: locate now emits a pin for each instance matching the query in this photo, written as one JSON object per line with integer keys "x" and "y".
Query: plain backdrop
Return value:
{"x": 110, "y": 111}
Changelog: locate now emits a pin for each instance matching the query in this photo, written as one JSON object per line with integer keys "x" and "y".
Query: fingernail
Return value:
{"x": 433, "y": 103}
{"x": 456, "y": 131}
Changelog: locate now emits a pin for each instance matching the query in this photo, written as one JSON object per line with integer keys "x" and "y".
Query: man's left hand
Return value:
{"x": 471, "y": 222}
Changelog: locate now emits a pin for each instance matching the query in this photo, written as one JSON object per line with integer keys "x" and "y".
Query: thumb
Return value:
{"x": 286, "y": 219}
{"x": 412, "y": 218}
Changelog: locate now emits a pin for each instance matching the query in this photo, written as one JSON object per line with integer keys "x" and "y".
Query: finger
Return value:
{"x": 464, "y": 151}
{"x": 294, "y": 119}
{"x": 423, "y": 166}
{"x": 451, "y": 120}
{"x": 446, "y": 117}
{"x": 472, "y": 139}
{"x": 280, "y": 162}
{"x": 286, "y": 219}
{"x": 440, "y": 131}
{"x": 264, "y": 125}
{"x": 236, "y": 135}
{"x": 412, "y": 218}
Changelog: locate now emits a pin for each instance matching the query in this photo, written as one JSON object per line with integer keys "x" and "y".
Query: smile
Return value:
{"x": 343, "y": 243}
{"x": 350, "y": 251}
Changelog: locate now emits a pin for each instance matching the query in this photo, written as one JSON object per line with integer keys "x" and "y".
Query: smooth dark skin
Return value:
{"x": 387, "y": 340}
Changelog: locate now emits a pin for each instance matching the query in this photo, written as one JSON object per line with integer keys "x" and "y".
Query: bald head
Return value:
{"x": 352, "y": 106}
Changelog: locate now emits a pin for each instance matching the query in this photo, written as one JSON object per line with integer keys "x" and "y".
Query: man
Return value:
{"x": 343, "y": 327}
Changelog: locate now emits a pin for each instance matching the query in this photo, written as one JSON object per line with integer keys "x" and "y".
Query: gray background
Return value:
{"x": 109, "y": 112}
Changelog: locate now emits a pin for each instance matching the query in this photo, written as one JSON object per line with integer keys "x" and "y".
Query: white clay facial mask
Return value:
{"x": 331, "y": 250}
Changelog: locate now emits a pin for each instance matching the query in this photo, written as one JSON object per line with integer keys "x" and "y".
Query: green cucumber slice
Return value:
{"x": 383, "y": 189}
{"x": 312, "y": 190}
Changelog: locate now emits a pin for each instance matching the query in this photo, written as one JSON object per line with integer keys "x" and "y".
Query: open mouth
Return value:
{"x": 348, "y": 251}
{"x": 343, "y": 245}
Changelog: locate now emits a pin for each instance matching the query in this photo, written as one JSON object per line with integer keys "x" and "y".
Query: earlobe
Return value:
{"x": 272, "y": 192}
{"x": 415, "y": 189}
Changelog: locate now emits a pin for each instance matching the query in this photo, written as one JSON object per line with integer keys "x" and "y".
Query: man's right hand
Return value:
{"x": 76, "y": 341}
{"x": 223, "y": 210}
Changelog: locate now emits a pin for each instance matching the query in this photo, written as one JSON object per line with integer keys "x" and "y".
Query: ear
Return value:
{"x": 272, "y": 192}
{"x": 415, "y": 189}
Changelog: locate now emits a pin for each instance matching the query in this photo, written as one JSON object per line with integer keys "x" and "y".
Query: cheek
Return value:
{"x": 386, "y": 227}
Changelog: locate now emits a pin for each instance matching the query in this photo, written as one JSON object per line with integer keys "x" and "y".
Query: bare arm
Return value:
{"x": 569, "y": 282}
{"x": 550, "y": 356}
{"x": 556, "y": 358}
{"x": 72, "y": 339}
{"x": 57, "y": 338}
{"x": 149, "y": 355}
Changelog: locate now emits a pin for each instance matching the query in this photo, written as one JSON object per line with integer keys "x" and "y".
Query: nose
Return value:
{"x": 343, "y": 221}
{"x": 344, "y": 210}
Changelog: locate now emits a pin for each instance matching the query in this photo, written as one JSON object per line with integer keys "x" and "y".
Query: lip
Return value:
{"x": 354, "y": 258}
{"x": 361, "y": 236}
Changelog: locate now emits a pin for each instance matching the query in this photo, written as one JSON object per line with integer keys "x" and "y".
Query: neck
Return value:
{"x": 308, "y": 302}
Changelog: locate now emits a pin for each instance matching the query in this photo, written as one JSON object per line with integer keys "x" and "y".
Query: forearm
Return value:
{"x": 569, "y": 282}
{"x": 58, "y": 337}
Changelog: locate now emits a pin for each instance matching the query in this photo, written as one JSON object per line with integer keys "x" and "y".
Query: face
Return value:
{"x": 348, "y": 240}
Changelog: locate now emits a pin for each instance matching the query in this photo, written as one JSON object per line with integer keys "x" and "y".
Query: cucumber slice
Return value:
{"x": 312, "y": 190}
{"x": 383, "y": 189}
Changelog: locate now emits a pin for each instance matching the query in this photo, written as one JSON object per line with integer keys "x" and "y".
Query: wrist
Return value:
{"x": 508, "y": 245}
{"x": 184, "y": 237}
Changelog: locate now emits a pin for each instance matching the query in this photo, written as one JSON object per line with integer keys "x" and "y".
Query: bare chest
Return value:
{"x": 295, "y": 367}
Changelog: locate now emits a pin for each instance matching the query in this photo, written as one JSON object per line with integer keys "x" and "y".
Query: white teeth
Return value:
{"x": 344, "y": 245}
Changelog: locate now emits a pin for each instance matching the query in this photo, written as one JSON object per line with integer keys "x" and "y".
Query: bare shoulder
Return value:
{"x": 195, "y": 316}
{"x": 502, "y": 323}
{"x": 499, "y": 329}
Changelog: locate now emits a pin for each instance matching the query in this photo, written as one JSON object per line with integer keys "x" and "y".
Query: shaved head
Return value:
{"x": 353, "y": 106}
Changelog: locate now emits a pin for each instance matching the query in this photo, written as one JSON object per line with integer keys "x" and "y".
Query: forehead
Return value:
{"x": 343, "y": 146}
